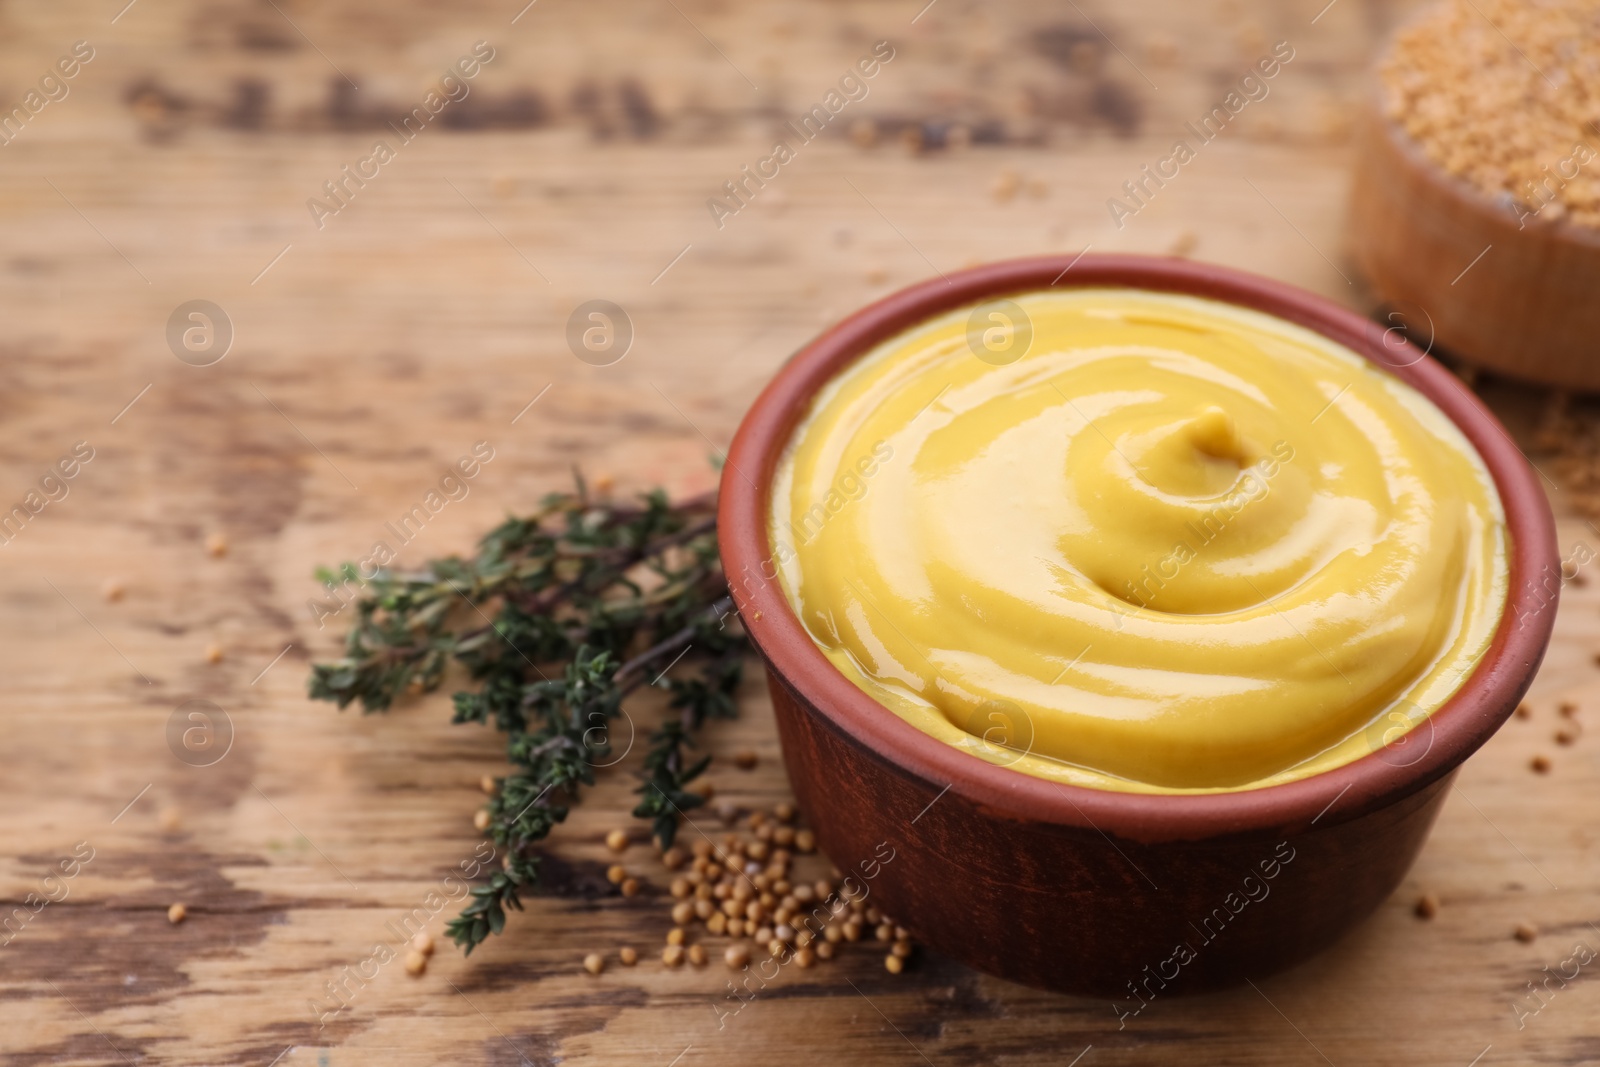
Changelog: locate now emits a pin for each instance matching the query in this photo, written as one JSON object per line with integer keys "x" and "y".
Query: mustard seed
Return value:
{"x": 1540, "y": 765}
{"x": 776, "y": 948}
{"x": 1525, "y": 932}
{"x": 697, "y": 955}
{"x": 213, "y": 653}
{"x": 177, "y": 913}
{"x": 630, "y": 887}
{"x": 481, "y": 819}
{"x": 745, "y": 759}
{"x": 852, "y": 931}
{"x": 1565, "y": 737}
{"x": 764, "y": 935}
{"x": 423, "y": 942}
{"x": 673, "y": 858}
{"x": 680, "y": 888}
{"x": 805, "y": 841}
{"x": 832, "y": 933}
{"x": 901, "y": 949}
{"x": 825, "y": 950}
{"x": 737, "y": 957}
{"x": 594, "y": 963}
{"x": 676, "y": 936}
{"x": 112, "y": 590}
{"x": 627, "y": 955}
{"x": 893, "y": 964}
{"x": 736, "y": 927}
{"x": 1455, "y": 81}
{"x": 217, "y": 545}
{"x": 1567, "y": 709}
{"x": 704, "y": 909}
{"x": 683, "y": 912}
{"x": 616, "y": 873}
{"x": 1525, "y": 710}
{"x": 1427, "y": 906}
{"x": 486, "y": 784}
{"x": 416, "y": 963}
{"x": 783, "y": 836}
{"x": 617, "y": 840}
{"x": 784, "y": 812}
{"x": 805, "y": 957}
{"x": 672, "y": 955}
{"x": 717, "y": 923}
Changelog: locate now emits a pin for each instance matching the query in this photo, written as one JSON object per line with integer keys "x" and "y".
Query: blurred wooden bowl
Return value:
{"x": 1460, "y": 275}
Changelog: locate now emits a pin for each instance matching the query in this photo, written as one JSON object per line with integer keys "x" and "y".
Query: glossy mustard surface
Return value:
{"x": 1139, "y": 541}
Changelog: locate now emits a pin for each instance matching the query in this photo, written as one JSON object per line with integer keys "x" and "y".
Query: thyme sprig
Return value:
{"x": 559, "y": 616}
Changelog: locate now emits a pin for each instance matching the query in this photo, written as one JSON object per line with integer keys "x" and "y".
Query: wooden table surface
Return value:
{"x": 426, "y": 315}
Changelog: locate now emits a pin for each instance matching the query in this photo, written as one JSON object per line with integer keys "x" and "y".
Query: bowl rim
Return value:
{"x": 1457, "y": 728}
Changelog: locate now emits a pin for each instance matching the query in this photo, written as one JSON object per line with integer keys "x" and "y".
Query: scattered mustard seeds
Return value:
{"x": 416, "y": 963}
{"x": 1427, "y": 906}
{"x": 1540, "y": 765}
{"x": 617, "y": 840}
{"x": 1525, "y": 932}
{"x": 627, "y": 955}
{"x": 176, "y": 914}
{"x": 594, "y": 963}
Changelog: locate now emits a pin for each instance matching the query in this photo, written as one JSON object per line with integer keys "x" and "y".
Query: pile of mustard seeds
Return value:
{"x": 757, "y": 895}
{"x": 1506, "y": 96}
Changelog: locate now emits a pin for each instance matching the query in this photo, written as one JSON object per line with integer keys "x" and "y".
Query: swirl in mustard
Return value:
{"x": 1139, "y": 541}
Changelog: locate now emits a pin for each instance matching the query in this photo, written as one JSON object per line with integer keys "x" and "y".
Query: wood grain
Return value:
{"x": 424, "y": 317}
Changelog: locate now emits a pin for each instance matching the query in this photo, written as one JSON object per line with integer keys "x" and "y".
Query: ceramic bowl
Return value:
{"x": 1498, "y": 287}
{"x": 1125, "y": 895}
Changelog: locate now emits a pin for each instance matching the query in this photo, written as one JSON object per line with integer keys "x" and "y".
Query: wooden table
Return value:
{"x": 429, "y": 313}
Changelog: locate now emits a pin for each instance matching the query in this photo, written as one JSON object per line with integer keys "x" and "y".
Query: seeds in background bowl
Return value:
{"x": 1501, "y": 94}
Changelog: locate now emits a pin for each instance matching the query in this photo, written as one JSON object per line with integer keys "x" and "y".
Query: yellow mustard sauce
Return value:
{"x": 1139, "y": 541}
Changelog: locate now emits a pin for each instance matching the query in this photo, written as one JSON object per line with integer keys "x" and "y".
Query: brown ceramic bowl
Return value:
{"x": 1090, "y": 891}
{"x": 1510, "y": 294}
